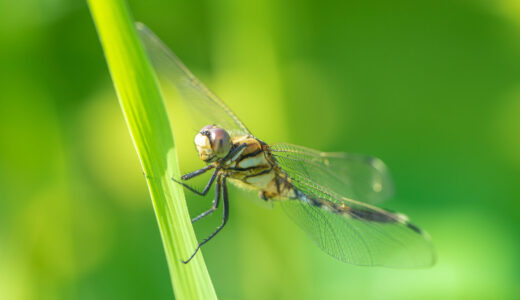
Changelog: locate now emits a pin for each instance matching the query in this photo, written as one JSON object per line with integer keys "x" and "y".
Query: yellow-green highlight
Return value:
{"x": 430, "y": 87}
{"x": 146, "y": 117}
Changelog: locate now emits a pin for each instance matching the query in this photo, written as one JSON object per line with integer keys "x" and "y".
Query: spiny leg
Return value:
{"x": 214, "y": 204}
{"x": 206, "y": 188}
{"x": 235, "y": 151}
{"x": 197, "y": 172}
{"x": 225, "y": 216}
{"x": 203, "y": 170}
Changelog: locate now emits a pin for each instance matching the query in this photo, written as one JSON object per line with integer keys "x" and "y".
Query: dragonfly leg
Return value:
{"x": 197, "y": 172}
{"x": 235, "y": 151}
{"x": 214, "y": 204}
{"x": 225, "y": 216}
{"x": 206, "y": 188}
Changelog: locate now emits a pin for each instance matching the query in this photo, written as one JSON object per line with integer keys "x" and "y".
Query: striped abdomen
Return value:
{"x": 381, "y": 216}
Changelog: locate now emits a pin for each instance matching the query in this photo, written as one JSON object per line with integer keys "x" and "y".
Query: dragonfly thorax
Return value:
{"x": 212, "y": 143}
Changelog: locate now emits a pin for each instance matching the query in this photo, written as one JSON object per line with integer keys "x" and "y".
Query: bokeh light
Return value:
{"x": 430, "y": 87}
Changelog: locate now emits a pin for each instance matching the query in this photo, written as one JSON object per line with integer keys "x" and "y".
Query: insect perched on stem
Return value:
{"x": 331, "y": 196}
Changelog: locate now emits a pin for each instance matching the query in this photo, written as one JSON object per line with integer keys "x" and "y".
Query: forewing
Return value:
{"x": 353, "y": 176}
{"x": 347, "y": 229}
{"x": 204, "y": 106}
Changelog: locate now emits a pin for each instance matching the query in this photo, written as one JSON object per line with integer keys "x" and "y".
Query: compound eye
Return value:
{"x": 207, "y": 128}
{"x": 220, "y": 141}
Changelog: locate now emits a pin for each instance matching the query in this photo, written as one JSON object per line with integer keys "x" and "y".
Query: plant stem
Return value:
{"x": 147, "y": 120}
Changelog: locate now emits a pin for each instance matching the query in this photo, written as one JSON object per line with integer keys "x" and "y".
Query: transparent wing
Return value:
{"x": 353, "y": 176}
{"x": 349, "y": 230}
{"x": 354, "y": 237}
{"x": 206, "y": 108}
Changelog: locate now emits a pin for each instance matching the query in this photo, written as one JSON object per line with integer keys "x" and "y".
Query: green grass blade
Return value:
{"x": 149, "y": 127}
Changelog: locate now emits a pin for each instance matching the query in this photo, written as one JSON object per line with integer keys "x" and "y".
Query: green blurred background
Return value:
{"x": 431, "y": 87}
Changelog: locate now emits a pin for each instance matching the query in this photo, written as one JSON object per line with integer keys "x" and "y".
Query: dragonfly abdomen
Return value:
{"x": 382, "y": 216}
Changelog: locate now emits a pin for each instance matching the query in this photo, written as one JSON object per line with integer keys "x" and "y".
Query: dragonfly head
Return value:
{"x": 212, "y": 143}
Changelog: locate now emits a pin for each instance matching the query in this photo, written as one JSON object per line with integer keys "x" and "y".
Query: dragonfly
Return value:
{"x": 331, "y": 196}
